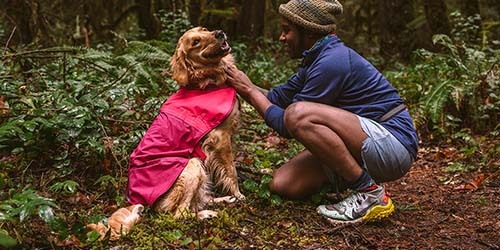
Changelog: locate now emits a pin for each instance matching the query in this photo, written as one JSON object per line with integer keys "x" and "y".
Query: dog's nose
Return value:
{"x": 219, "y": 34}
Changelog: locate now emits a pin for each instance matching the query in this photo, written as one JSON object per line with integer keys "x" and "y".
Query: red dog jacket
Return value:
{"x": 173, "y": 138}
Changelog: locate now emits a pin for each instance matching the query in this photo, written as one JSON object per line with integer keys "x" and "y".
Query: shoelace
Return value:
{"x": 353, "y": 199}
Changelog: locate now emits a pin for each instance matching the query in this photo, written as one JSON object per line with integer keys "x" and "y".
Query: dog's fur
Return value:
{"x": 120, "y": 222}
{"x": 200, "y": 59}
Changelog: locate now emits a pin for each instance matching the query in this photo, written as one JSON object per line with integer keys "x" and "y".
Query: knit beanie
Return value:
{"x": 313, "y": 15}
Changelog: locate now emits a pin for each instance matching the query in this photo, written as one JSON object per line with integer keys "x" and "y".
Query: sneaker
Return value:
{"x": 362, "y": 206}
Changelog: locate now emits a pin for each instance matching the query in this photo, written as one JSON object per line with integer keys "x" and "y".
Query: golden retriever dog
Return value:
{"x": 161, "y": 173}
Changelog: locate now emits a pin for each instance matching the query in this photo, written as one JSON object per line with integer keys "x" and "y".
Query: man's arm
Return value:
{"x": 257, "y": 97}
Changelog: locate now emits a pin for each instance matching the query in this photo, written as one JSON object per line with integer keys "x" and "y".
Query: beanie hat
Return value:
{"x": 314, "y": 15}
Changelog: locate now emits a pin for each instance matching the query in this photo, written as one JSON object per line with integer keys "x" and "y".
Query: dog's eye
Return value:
{"x": 196, "y": 42}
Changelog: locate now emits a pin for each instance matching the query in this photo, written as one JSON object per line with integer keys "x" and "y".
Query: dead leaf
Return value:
{"x": 273, "y": 140}
{"x": 284, "y": 224}
{"x": 79, "y": 198}
{"x": 4, "y": 109}
{"x": 445, "y": 154}
{"x": 474, "y": 184}
{"x": 72, "y": 241}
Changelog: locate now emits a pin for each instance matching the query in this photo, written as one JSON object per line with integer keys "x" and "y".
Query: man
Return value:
{"x": 352, "y": 122}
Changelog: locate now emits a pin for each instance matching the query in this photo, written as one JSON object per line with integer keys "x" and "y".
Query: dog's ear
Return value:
{"x": 178, "y": 65}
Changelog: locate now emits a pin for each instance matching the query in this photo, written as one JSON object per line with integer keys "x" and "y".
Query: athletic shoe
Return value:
{"x": 361, "y": 206}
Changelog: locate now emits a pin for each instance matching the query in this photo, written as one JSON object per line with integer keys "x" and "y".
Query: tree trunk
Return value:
{"x": 437, "y": 16}
{"x": 251, "y": 18}
{"x": 395, "y": 38}
{"x": 147, "y": 20}
{"x": 194, "y": 12}
{"x": 20, "y": 16}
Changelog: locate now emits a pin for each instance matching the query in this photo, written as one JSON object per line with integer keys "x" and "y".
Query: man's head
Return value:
{"x": 305, "y": 21}
{"x": 317, "y": 16}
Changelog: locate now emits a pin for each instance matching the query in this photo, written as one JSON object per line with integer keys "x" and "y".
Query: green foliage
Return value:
{"x": 82, "y": 108}
{"x": 25, "y": 204}
{"x": 80, "y": 112}
{"x": 65, "y": 187}
{"x": 262, "y": 189}
{"x": 456, "y": 87}
{"x": 259, "y": 60}
{"x": 459, "y": 167}
{"x": 174, "y": 24}
{"x": 6, "y": 241}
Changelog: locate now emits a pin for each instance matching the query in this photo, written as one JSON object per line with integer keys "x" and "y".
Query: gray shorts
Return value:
{"x": 384, "y": 157}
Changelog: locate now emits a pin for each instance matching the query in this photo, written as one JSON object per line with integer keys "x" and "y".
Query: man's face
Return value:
{"x": 291, "y": 37}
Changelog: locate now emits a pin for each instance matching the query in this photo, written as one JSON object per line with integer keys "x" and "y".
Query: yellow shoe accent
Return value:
{"x": 379, "y": 212}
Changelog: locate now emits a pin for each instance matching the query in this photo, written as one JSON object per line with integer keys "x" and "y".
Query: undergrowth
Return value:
{"x": 455, "y": 88}
{"x": 69, "y": 118}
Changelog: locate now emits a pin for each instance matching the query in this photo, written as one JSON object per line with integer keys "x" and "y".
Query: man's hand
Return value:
{"x": 239, "y": 81}
{"x": 250, "y": 92}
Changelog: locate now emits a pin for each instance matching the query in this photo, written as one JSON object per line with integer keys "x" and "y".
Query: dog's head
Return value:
{"x": 201, "y": 57}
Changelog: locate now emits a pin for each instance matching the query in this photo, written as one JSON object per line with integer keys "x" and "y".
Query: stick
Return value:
{"x": 8, "y": 40}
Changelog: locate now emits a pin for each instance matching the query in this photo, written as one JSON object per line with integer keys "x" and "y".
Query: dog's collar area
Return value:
{"x": 208, "y": 84}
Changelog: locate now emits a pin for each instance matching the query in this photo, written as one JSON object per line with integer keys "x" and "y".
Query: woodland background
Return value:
{"x": 80, "y": 81}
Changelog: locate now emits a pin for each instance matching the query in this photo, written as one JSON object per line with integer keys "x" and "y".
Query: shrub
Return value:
{"x": 455, "y": 88}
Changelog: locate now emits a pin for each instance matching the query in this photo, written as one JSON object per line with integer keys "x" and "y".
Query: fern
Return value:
{"x": 453, "y": 88}
{"x": 434, "y": 102}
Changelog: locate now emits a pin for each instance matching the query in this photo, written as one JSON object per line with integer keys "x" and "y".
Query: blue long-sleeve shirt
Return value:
{"x": 333, "y": 74}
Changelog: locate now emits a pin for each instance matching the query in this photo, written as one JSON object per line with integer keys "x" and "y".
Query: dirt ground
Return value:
{"x": 435, "y": 209}
{"x": 434, "y": 212}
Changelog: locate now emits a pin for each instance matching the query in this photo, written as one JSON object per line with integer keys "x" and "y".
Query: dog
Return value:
{"x": 187, "y": 149}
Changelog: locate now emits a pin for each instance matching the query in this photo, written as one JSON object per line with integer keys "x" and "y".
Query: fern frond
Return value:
{"x": 434, "y": 102}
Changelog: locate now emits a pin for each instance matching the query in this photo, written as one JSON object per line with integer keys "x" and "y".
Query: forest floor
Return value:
{"x": 435, "y": 209}
{"x": 438, "y": 206}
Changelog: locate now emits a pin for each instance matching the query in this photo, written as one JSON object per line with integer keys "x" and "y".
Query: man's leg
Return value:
{"x": 300, "y": 177}
{"x": 331, "y": 134}
{"x": 335, "y": 137}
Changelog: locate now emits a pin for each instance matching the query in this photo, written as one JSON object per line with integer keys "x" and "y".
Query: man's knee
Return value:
{"x": 295, "y": 118}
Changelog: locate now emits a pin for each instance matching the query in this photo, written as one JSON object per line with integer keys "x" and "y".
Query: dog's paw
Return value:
{"x": 229, "y": 199}
{"x": 226, "y": 199}
{"x": 206, "y": 214}
{"x": 240, "y": 197}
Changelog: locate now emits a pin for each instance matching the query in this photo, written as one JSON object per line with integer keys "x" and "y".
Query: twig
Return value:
{"x": 124, "y": 121}
{"x": 111, "y": 149}
{"x": 434, "y": 222}
{"x": 249, "y": 169}
{"x": 8, "y": 40}
{"x": 115, "y": 81}
{"x": 64, "y": 69}
{"x": 364, "y": 237}
{"x": 42, "y": 56}
{"x": 238, "y": 233}
{"x": 330, "y": 230}
{"x": 41, "y": 51}
{"x": 490, "y": 245}
{"x": 97, "y": 66}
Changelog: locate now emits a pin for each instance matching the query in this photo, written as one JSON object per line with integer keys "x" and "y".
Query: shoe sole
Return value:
{"x": 375, "y": 213}
{"x": 379, "y": 212}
